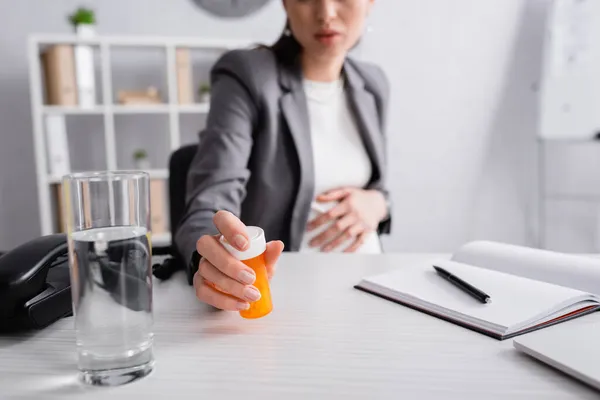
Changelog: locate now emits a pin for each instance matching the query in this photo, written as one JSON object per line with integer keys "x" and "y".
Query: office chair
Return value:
{"x": 179, "y": 165}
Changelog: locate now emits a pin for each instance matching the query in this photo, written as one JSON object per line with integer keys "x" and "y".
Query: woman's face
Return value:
{"x": 327, "y": 28}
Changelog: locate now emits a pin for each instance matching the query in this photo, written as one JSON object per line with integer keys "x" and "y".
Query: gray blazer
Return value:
{"x": 255, "y": 157}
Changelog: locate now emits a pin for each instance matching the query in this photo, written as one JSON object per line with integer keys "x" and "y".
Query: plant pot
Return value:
{"x": 85, "y": 31}
{"x": 204, "y": 98}
{"x": 142, "y": 164}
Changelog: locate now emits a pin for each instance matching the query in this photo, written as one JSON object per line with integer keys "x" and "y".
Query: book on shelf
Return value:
{"x": 58, "y": 65}
{"x": 185, "y": 93}
{"x": 57, "y": 145}
{"x": 85, "y": 75}
{"x": 158, "y": 206}
{"x": 59, "y": 203}
{"x": 529, "y": 288}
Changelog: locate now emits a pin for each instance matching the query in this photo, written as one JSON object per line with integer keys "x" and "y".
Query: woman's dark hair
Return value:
{"x": 286, "y": 48}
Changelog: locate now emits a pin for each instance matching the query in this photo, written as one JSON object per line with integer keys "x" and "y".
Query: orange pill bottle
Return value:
{"x": 254, "y": 257}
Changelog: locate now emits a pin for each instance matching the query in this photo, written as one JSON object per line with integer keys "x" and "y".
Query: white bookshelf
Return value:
{"x": 162, "y": 173}
{"x": 128, "y": 109}
{"x": 107, "y": 108}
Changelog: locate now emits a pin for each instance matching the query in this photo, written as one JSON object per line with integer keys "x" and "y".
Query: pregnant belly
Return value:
{"x": 371, "y": 244}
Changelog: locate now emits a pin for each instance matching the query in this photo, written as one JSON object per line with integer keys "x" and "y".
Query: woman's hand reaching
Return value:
{"x": 221, "y": 280}
{"x": 358, "y": 213}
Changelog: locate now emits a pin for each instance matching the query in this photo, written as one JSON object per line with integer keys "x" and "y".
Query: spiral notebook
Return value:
{"x": 530, "y": 288}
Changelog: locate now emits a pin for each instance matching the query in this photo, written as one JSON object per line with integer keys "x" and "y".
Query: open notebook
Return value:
{"x": 529, "y": 288}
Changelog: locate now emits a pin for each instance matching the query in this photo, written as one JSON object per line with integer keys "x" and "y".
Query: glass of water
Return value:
{"x": 108, "y": 220}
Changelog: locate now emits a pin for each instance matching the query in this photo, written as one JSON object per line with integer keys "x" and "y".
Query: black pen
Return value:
{"x": 464, "y": 286}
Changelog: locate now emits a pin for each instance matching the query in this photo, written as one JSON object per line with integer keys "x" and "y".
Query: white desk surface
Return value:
{"x": 324, "y": 339}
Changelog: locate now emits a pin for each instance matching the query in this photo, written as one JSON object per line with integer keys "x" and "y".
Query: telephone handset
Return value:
{"x": 35, "y": 284}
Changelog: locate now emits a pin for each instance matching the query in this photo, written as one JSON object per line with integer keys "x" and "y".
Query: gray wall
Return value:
{"x": 462, "y": 127}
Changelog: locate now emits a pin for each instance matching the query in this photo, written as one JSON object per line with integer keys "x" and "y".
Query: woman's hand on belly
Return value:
{"x": 357, "y": 213}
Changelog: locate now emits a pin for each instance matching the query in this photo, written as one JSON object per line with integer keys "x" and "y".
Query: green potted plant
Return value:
{"x": 84, "y": 21}
{"x": 204, "y": 93}
{"x": 140, "y": 159}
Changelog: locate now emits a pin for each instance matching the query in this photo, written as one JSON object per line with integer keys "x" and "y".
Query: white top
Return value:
{"x": 323, "y": 340}
{"x": 339, "y": 155}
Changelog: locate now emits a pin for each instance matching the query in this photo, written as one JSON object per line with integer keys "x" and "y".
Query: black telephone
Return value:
{"x": 35, "y": 284}
{"x": 35, "y": 288}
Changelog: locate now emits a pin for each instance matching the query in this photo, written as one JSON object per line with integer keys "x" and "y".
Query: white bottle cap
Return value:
{"x": 257, "y": 246}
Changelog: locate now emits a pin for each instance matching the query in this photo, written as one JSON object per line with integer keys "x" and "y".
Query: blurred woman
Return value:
{"x": 294, "y": 143}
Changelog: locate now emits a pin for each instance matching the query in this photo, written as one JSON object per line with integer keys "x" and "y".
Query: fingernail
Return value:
{"x": 247, "y": 277}
{"x": 240, "y": 241}
{"x": 243, "y": 306}
{"x": 251, "y": 293}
